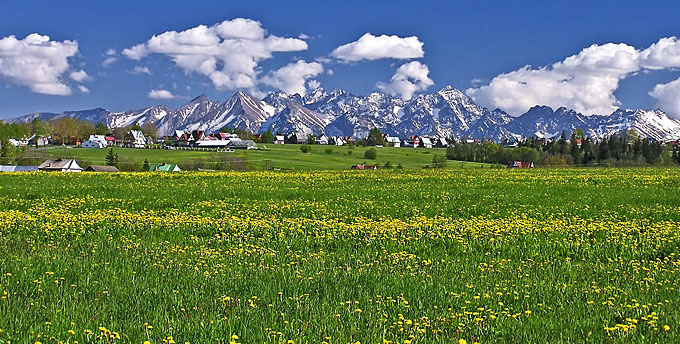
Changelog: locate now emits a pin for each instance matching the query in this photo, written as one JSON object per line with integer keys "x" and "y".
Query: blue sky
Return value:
{"x": 464, "y": 45}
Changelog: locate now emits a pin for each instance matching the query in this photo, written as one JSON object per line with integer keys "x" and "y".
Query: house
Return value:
{"x": 135, "y": 138}
{"x": 322, "y": 139}
{"x": 164, "y": 168}
{"x": 13, "y": 168}
{"x": 18, "y": 143}
{"x": 95, "y": 141}
{"x": 336, "y": 141}
{"x": 242, "y": 144}
{"x": 392, "y": 141}
{"x": 364, "y": 167}
{"x": 521, "y": 164}
{"x": 441, "y": 143}
{"x": 211, "y": 142}
{"x": 298, "y": 138}
{"x": 279, "y": 139}
{"x": 60, "y": 165}
{"x": 100, "y": 168}
{"x": 425, "y": 142}
{"x": 412, "y": 141}
{"x": 38, "y": 141}
{"x": 197, "y": 135}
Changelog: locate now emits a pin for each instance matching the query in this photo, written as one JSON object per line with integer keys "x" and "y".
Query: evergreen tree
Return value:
{"x": 111, "y": 158}
{"x": 375, "y": 138}
{"x": 267, "y": 137}
{"x": 101, "y": 129}
{"x": 146, "y": 166}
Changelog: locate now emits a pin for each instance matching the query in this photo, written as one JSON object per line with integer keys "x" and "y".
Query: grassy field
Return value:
{"x": 280, "y": 156}
{"x": 411, "y": 256}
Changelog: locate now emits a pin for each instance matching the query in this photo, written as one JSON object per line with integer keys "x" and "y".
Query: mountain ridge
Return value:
{"x": 447, "y": 112}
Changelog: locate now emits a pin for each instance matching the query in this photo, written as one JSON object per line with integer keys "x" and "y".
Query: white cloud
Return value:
{"x": 663, "y": 54}
{"x": 141, "y": 70}
{"x": 83, "y": 89}
{"x": 161, "y": 94}
{"x": 108, "y": 61}
{"x": 37, "y": 63}
{"x": 330, "y": 72}
{"x": 370, "y": 47}
{"x": 292, "y": 77}
{"x": 79, "y": 76}
{"x": 668, "y": 97}
{"x": 304, "y": 36}
{"x": 409, "y": 78}
{"x": 227, "y": 53}
{"x": 584, "y": 82}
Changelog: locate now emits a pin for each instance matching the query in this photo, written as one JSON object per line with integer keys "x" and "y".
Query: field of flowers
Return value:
{"x": 427, "y": 256}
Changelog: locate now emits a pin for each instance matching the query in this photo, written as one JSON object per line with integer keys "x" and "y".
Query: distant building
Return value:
{"x": 135, "y": 138}
{"x": 60, "y": 165}
{"x": 164, "y": 168}
{"x": 364, "y": 167}
{"x": 441, "y": 143}
{"x": 13, "y": 168}
{"x": 336, "y": 141}
{"x": 392, "y": 141}
{"x": 298, "y": 138}
{"x": 322, "y": 139}
{"x": 95, "y": 141}
{"x": 279, "y": 139}
{"x": 425, "y": 142}
{"x": 101, "y": 168}
{"x": 521, "y": 164}
{"x": 242, "y": 144}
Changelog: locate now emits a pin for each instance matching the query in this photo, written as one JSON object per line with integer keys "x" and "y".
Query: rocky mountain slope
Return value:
{"x": 444, "y": 113}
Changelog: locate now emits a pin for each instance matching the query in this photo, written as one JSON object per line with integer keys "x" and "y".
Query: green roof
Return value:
{"x": 164, "y": 168}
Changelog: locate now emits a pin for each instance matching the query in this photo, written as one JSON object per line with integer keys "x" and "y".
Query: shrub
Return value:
{"x": 305, "y": 148}
{"x": 329, "y": 150}
{"x": 371, "y": 153}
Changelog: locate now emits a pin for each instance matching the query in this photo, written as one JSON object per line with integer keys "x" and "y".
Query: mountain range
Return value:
{"x": 444, "y": 113}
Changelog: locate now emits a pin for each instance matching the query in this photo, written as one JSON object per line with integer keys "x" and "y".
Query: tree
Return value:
{"x": 575, "y": 150}
{"x": 578, "y": 134}
{"x": 111, "y": 158}
{"x": 146, "y": 166}
{"x": 375, "y": 138}
{"x": 150, "y": 129}
{"x": 101, "y": 129}
{"x": 311, "y": 139}
{"x": 267, "y": 137}
{"x": 8, "y": 153}
{"x": 40, "y": 128}
{"x": 371, "y": 153}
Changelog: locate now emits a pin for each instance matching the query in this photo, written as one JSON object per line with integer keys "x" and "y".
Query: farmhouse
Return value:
{"x": 425, "y": 142}
{"x": 60, "y": 165}
{"x": 392, "y": 141}
{"x": 364, "y": 167}
{"x": 242, "y": 144}
{"x": 279, "y": 139}
{"x": 101, "y": 168}
{"x": 441, "y": 143}
{"x": 322, "y": 139}
{"x": 95, "y": 141}
{"x": 135, "y": 138}
{"x": 298, "y": 138}
{"x": 164, "y": 168}
{"x": 336, "y": 141}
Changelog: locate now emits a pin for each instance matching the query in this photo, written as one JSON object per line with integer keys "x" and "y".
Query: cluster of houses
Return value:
{"x": 70, "y": 165}
{"x": 413, "y": 141}
{"x": 200, "y": 139}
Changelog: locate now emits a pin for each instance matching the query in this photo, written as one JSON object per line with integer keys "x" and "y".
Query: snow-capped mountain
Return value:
{"x": 444, "y": 113}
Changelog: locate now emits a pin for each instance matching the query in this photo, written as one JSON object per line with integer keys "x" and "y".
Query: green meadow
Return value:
{"x": 389, "y": 256}
{"x": 279, "y": 156}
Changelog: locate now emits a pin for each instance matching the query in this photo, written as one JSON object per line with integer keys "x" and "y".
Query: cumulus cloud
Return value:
{"x": 79, "y": 76}
{"x": 370, "y": 47}
{"x": 409, "y": 78}
{"x": 83, "y": 89}
{"x": 141, "y": 70}
{"x": 110, "y": 52}
{"x": 37, "y": 63}
{"x": 663, "y": 54}
{"x": 668, "y": 97}
{"x": 227, "y": 53}
{"x": 292, "y": 78}
{"x": 161, "y": 94}
{"x": 585, "y": 82}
